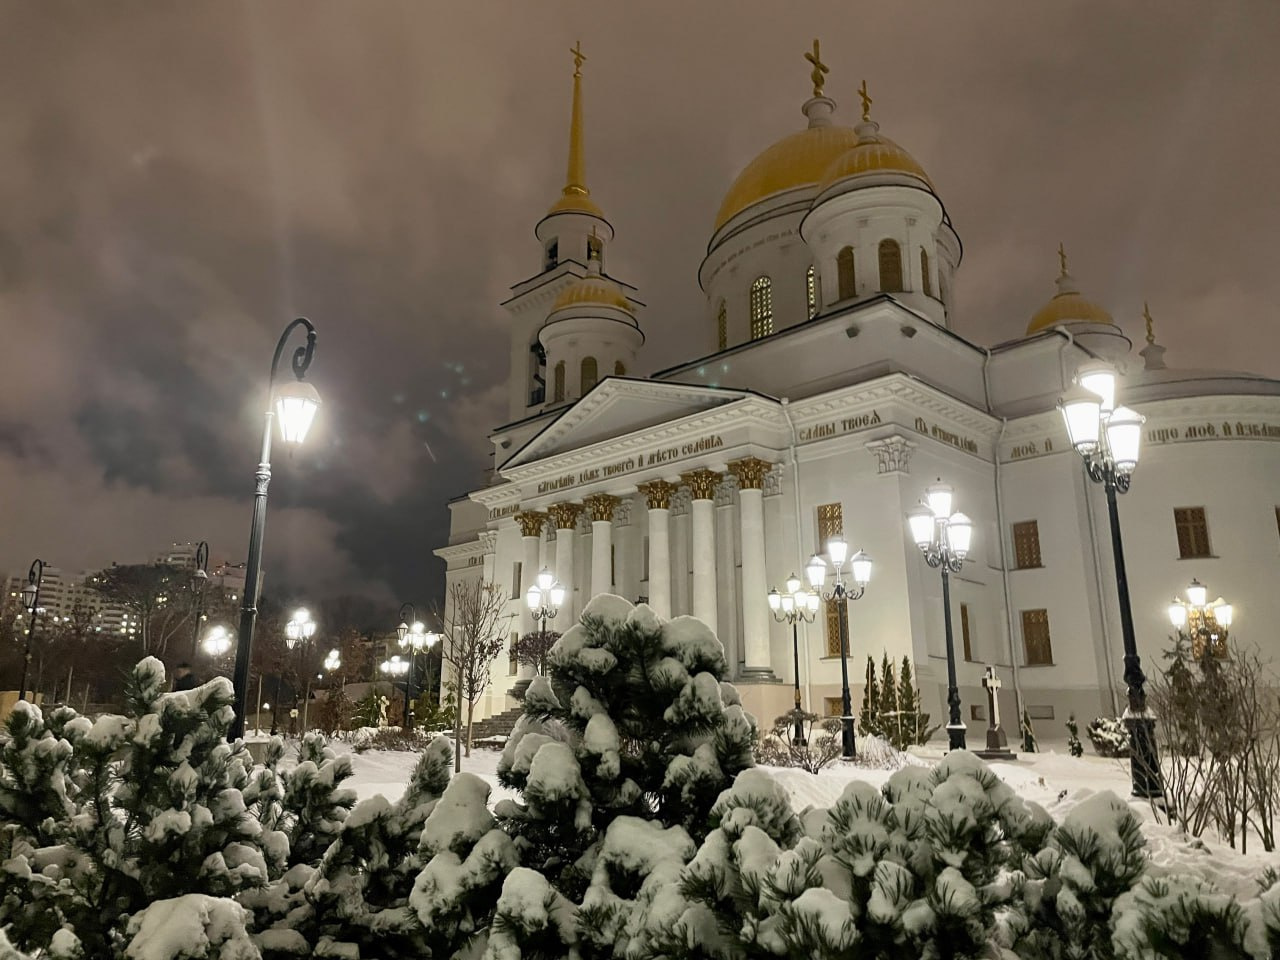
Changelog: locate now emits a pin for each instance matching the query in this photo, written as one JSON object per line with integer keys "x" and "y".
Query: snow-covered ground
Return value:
{"x": 1040, "y": 777}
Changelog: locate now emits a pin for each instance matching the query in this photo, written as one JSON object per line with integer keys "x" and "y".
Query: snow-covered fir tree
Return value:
{"x": 634, "y": 724}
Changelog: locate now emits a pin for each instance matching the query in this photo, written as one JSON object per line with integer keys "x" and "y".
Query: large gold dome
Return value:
{"x": 796, "y": 161}
{"x": 593, "y": 290}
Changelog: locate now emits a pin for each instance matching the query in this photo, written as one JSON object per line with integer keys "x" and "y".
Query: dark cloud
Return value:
{"x": 181, "y": 180}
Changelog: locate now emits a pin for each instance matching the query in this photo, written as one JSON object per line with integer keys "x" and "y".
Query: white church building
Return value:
{"x": 832, "y": 382}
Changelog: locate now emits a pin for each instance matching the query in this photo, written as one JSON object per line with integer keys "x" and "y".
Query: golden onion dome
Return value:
{"x": 1067, "y": 305}
{"x": 796, "y": 161}
{"x": 593, "y": 290}
{"x": 873, "y": 153}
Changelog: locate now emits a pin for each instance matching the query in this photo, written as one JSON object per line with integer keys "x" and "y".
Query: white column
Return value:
{"x": 530, "y": 541}
{"x": 600, "y": 508}
{"x": 755, "y": 589}
{"x": 565, "y": 517}
{"x": 658, "y": 497}
{"x": 702, "y": 489}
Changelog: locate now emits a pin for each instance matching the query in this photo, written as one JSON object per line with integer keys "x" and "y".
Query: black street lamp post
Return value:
{"x": 944, "y": 538}
{"x": 841, "y": 594}
{"x": 414, "y": 638}
{"x": 544, "y": 597}
{"x": 1109, "y": 439}
{"x": 31, "y": 600}
{"x": 295, "y": 404}
{"x": 297, "y": 634}
{"x": 795, "y": 605}
{"x": 199, "y": 582}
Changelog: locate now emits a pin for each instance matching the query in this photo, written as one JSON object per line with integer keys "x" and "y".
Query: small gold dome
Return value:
{"x": 796, "y": 161}
{"x": 593, "y": 290}
{"x": 576, "y": 203}
{"x": 1067, "y": 307}
{"x": 873, "y": 153}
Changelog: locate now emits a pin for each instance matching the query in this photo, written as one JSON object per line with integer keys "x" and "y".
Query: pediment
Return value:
{"x": 616, "y": 407}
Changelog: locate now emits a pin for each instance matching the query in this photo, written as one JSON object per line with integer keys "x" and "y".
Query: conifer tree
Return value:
{"x": 869, "y": 718}
{"x": 633, "y": 720}
{"x": 109, "y": 817}
{"x": 888, "y": 717}
{"x": 1074, "y": 746}
{"x": 915, "y": 724}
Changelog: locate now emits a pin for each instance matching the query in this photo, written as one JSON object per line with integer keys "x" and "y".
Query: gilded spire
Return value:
{"x": 819, "y": 69}
{"x": 1146, "y": 315}
{"x": 866, "y": 102}
{"x": 576, "y": 198}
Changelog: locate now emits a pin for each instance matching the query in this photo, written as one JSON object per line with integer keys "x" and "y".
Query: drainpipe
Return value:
{"x": 1004, "y": 547}
{"x": 795, "y": 492}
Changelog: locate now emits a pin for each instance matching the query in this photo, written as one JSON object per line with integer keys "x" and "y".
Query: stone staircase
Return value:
{"x": 499, "y": 725}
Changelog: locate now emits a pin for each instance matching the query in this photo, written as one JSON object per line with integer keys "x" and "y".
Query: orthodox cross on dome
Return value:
{"x": 578, "y": 59}
{"x": 819, "y": 68}
{"x": 866, "y": 102}
{"x": 1062, "y": 259}
{"x": 1146, "y": 315}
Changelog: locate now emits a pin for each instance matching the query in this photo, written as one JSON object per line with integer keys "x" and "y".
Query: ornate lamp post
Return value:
{"x": 31, "y": 601}
{"x": 795, "y": 605}
{"x": 415, "y": 638}
{"x": 545, "y": 597}
{"x": 393, "y": 668}
{"x": 841, "y": 594}
{"x": 297, "y": 634}
{"x": 1207, "y": 623}
{"x": 199, "y": 582}
{"x": 943, "y": 538}
{"x": 331, "y": 663}
{"x": 1108, "y": 438}
{"x": 295, "y": 403}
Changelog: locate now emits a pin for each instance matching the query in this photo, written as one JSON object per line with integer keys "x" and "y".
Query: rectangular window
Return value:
{"x": 1193, "y": 532}
{"x": 516, "y": 572}
{"x": 835, "y": 706}
{"x": 613, "y": 563}
{"x": 513, "y": 665}
{"x": 977, "y": 712}
{"x": 964, "y": 631}
{"x": 830, "y": 524}
{"x": 1026, "y": 545}
{"x": 1035, "y": 637}
{"x": 646, "y": 562}
{"x": 833, "y": 627}
{"x": 1040, "y": 713}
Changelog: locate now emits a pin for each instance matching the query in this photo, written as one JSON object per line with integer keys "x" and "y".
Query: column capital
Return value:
{"x": 701, "y": 483}
{"x": 530, "y": 523}
{"x": 750, "y": 472}
{"x": 565, "y": 515}
{"x": 894, "y": 453}
{"x": 489, "y": 540}
{"x": 600, "y": 506}
{"x": 657, "y": 494}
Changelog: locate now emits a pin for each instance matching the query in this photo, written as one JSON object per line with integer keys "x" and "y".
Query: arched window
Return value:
{"x": 589, "y": 374}
{"x": 848, "y": 279}
{"x": 890, "y": 267}
{"x": 595, "y": 249}
{"x": 722, "y": 326}
{"x": 558, "y": 391}
{"x": 926, "y": 284}
{"x": 811, "y": 291}
{"x": 619, "y": 369}
{"x": 552, "y": 255}
{"x": 761, "y": 308}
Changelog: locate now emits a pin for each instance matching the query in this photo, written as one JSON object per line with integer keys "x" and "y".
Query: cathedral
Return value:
{"x": 833, "y": 385}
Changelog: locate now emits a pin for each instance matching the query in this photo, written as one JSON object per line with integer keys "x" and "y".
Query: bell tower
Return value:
{"x": 574, "y": 238}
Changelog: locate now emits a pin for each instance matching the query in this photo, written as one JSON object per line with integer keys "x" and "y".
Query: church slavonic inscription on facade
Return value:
{"x": 649, "y": 459}
{"x": 1214, "y": 431}
{"x": 833, "y": 428}
{"x": 959, "y": 441}
{"x": 1031, "y": 448}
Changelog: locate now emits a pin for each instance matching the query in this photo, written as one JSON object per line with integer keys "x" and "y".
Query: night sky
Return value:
{"x": 179, "y": 180}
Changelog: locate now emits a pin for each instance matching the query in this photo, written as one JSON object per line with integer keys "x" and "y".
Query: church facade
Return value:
{"x": 831, "y": 387}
